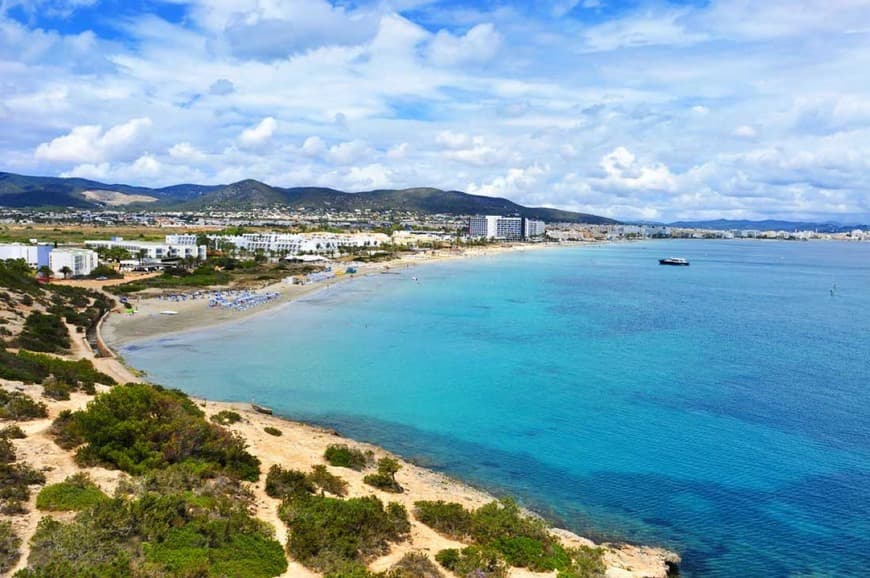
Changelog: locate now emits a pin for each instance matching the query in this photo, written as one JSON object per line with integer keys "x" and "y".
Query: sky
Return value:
{"x": 647, "y": 110}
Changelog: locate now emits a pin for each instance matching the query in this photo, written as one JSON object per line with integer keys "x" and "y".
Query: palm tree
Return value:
{"x": 66, "y": 271}
{"x": 45, "y": 272}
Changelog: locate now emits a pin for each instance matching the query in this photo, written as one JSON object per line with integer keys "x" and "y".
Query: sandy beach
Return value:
{"x": 301, "y": 446}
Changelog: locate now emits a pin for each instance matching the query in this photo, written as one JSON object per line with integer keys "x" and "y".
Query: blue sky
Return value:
{"x": 635, "y": 110}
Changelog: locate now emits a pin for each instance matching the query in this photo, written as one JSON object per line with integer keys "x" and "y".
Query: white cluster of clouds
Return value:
{"x": 731, "y": 109}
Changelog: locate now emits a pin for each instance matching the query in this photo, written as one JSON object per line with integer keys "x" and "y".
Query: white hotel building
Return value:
{"x": 79, "y": 261}
{"x": 508, "y": 228}
{"x": 174, "y": 247}
{"x": 301, "y": 243}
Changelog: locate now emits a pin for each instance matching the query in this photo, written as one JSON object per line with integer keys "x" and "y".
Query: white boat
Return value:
{"x": 168, "y": 312}
{"x": 674, "y": 261}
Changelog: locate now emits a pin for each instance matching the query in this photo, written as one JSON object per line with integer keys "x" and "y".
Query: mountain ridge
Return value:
{"x": 22, "y": 191}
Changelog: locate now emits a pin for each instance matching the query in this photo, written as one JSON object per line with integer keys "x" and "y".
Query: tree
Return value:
{"x": 45, "y": 272}
{"x": 66, "y": 271}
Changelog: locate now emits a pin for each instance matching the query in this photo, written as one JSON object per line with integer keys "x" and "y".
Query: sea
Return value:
{"x": 720, "y": 409}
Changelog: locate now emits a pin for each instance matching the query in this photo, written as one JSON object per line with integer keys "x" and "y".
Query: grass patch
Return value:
{"x": 77, "y": 492}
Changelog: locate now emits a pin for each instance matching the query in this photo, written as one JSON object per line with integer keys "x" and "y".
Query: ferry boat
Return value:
{"x": 674, "y": 261}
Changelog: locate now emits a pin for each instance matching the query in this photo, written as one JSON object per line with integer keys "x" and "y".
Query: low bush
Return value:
{"x": 139, "y": 427}
{"x": 9, "y": 547}
{"x": 44, "y": 332}
{"x": 20, "y": 407}
{"x": 226, "y": 417}
{"x": 58, "y": 376}
{"x": 7, "y": 451}
{"x": 327, "y": 482}
{"x": 385, "y": 478}
{"x": 162, "y": 530}
{"x": 414, "y": 565}
{"x": 586, "y": 562}
{"x": 329, "y": 533}
{"x": 447, "y": 518}
{"x": 281, "y": 483}
{"x": 474, "y": 561}
{"x": 77, "y": 492}
{"x": 343, "y": 456}
{"x": 15, "y": 482}
{"x": 12, "y": 432}
{"x": 273, "y": 431}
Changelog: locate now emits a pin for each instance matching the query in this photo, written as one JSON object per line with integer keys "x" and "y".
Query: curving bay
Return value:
{"x": 720, "y": 409}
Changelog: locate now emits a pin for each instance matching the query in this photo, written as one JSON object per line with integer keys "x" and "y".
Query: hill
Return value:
{"x": 766, "y": 225}
{"x": 20, "y": 191}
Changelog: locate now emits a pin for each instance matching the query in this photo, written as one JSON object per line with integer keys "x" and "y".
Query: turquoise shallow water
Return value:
{"x": 722, "y": 409}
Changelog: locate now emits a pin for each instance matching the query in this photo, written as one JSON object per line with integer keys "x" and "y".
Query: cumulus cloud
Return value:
{"x": 745, "y": 131}
{"x": 258, "y": 135}
{"x": 221, "y": 87}
{"x": 90, "y": 144}
{"x": 349, "y": 152}
{"x": 313, "y": 146}
{"x": 479, "y": 44}
{"x": 184, "y": 151}
{"x": 517, "y": 181}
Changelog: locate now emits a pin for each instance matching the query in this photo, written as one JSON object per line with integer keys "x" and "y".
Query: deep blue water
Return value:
{"x": 721, "y": 409}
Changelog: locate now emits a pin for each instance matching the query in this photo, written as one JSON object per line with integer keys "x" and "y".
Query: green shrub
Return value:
{"x": 474, "y": 561}
{"x": 9, "y": 547}
{"x": 12, "y": 432}
{"x": 326, "y": 533}
{"x": 586, "y": 562}
{"x": 138, "y": 427}
{"x": 77, "y": 492}
{"x": 343, "y": 456}
{"x": 537, "y": 555}
{"x": 177, "y": 523}
{"x": 281, "y": 483}
{"x": 450, "y": 519}
{"x": 226, "y": 417}
{"x": 44, "y": 332}
{"x": 20, "y": 407}
{"x": 414, "y": 565}
{"x": 7, "y": 451}
{"x": 326, "y": 481}
{"x": 385, "y": 478}
{"x": 15, "y": 482}
{"x": 273, "y": 431}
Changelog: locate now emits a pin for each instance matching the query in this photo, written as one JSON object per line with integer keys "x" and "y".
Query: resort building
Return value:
{"x": 507, "y": 228}
{"x": 533, "y": 228}
{"x": 73, "y": 262}
{"x": 35, "y": 255}
{"x": 283, "y": 244}
{"x": 175, "y": 247}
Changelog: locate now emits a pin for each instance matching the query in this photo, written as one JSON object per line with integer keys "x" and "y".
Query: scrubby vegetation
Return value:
{"x": 285, "y": 484}
{"x": 273, "y": 431}
{"x": 414, "y": 565}
{"x": 12, "y": 432}
{"x": 9, "y": 547}
{"x": 15, "y": 482}
{"x": 139, "y": 427}
{"x": 385, "y": 478}
{"x": 15, "y": 275}
{"x": 20, "y": 407}
{"x": 58, "y": 377}
{"x": 76, "y": 493}
{"x": 503, "y": 536}
{"x": 226, "y": 417}
{"x": 44, "y": 332}
{"x": 343, "y": 456}
{"x": 181, "y": 521}
{"x": 447, "y": 518}
{"x": 327, "y": 534}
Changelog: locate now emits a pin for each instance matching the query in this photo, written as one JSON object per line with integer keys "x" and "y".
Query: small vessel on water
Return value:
{"x": 674, "y": 261}
{"x": 261, "y": 409}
